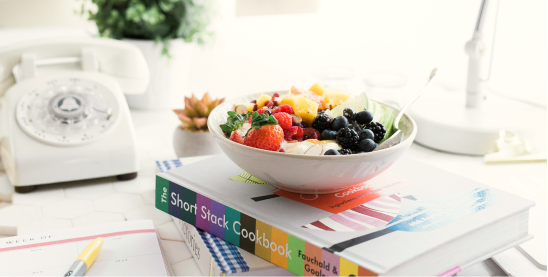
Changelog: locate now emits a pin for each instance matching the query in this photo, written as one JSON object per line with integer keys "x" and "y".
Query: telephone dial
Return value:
{"x": 63, "y": 115}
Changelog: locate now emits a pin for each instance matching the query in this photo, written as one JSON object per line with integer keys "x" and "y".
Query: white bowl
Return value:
{"x": 302, "y": 173}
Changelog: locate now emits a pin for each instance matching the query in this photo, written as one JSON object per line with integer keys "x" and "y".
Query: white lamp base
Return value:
{"x": 444, "y": 123}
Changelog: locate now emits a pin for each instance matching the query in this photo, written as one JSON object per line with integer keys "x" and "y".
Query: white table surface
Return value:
{"x": 82, "y": 203}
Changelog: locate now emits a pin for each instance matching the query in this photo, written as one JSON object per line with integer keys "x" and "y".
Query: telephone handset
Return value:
{"x": 122, "y": 61}
{"x": 63, "y": 99}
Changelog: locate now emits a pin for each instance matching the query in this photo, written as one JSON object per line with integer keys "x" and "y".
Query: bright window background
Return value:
{"x": 258, "y": 53}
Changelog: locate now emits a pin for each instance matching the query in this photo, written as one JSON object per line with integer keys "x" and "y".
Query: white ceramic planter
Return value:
{"x": 168, "y": 76}
{"x": 188, "y": 144}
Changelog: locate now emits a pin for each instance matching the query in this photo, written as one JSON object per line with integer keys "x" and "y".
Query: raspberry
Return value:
{"x": 284, "y": 109}
{"x": 275, "y": 95}
{"x": 294, "y": 133}
{"x": 236, "y": 137}
{"x": 311, "y": 133}
{"x": 263, "y": 109}
{"x": 267, "y": 137}
{"x": 284, "y": 120}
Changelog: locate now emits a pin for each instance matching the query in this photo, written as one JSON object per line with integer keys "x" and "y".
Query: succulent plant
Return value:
{"x": 194, "y": 115}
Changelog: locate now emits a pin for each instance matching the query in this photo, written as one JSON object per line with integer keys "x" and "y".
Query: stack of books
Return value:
{"x": 411, "y": 220}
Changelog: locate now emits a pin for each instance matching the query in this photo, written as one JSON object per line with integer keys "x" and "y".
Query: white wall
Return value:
{"x": 26, "y": 13}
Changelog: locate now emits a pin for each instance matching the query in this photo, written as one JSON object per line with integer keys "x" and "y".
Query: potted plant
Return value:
{"x": 193, "y": 138}
{"x": 163, "y": 30}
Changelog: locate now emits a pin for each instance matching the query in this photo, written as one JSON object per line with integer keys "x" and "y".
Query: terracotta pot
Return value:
{"x": 187, "y": 143}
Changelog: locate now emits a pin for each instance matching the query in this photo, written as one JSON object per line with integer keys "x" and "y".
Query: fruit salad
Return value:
{"x": 317, "y": 121}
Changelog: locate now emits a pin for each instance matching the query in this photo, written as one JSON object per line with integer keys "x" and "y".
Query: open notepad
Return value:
{"x": 130, "y": 248}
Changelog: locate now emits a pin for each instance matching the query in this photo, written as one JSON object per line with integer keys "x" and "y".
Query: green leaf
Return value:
{"x": 153, "y": 15}
{"x": 135, "y": 11}
{"x": 262, "y": 119}
{"x": 166, "y": 5}
{"x": 159, "y": 20}
{"x": 234, "y": 122}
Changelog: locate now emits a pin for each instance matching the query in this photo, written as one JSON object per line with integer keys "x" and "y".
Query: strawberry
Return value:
{"x": 284, "y": 109}
{"x": 267, "y": 137}
{"x": 237, "y": 137}
{"x": 265, "y": 133}
{"x": 284, "y": 120}
{"x": 294, "y": 133}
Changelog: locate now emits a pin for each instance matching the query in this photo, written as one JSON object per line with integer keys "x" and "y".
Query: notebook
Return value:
{"x": 412, "y": 220}
{"x": 130, "y": 248}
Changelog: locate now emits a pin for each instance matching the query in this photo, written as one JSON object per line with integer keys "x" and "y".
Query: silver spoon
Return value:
{"x": 398, "y": 135}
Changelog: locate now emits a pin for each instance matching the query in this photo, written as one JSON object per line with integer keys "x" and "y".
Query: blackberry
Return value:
{"x": 349, "y": 114}
{"x": 377, "y": 129}
{"x": 321, "y": 122}
{"x": 346, "y": 151}
{"x": 348, "y": 138}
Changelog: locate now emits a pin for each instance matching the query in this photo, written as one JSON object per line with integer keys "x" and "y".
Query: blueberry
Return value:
{"x": 366, "y": 134}
{"x": 349, "y": 114}
{"x": 339, "y": 122}
{"x": 367, "y": 145}
{"x": 332, "y": 152}
{"x": 328, "y": 134}
{"x": 364, "y": 117}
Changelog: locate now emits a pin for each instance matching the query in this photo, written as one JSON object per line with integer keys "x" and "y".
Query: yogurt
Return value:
{"x": 312, "y": 147}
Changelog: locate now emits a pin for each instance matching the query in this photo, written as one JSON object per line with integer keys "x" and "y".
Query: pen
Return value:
{"x": 86, "y": 258}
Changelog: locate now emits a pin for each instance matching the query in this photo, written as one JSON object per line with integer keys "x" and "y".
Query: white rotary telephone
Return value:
{"x": 63, "y": 115}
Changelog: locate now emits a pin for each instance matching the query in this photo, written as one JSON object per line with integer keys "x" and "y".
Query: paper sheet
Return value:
{"x": 129, "y": 248}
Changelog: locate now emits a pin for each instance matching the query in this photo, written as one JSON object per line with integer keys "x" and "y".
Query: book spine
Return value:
{"x": 199, "y": 250}
{"x": 265, "y": 241}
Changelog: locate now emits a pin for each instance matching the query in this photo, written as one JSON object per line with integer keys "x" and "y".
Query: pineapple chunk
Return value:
{"x": 307, "y": 110}
{"x": 262, "y": 100}
{"x": 291, "y": 100}
{"x": 317, "y": 89}
{"x": 248, "y": 106}
{"x": 332, "y": 99}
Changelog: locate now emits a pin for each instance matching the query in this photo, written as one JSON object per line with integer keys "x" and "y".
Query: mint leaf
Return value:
{"x": 262, "y": 119}
{"x": 234, "y": 122}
